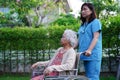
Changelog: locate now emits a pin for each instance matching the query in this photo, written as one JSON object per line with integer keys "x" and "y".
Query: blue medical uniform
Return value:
{"x": 92, "y": 63}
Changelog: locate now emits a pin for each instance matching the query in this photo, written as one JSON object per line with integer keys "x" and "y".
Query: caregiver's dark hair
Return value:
{"x": 92, "y": 16}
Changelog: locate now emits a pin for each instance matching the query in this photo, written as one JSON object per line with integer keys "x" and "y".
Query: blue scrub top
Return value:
{"x": 86, "y": 34}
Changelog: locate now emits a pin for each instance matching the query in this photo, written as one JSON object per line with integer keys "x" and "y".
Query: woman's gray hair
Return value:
{"x": 72, "y": 37}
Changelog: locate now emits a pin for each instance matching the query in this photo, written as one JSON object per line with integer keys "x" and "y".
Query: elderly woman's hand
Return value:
{"x": 48, "y": 70}
{"x": 36, "y": 64}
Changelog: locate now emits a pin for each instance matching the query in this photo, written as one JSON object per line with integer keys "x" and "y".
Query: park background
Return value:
{"x": 30, "y": 31}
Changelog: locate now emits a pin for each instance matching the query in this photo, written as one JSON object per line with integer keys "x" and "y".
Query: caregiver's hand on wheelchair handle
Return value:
{"x": 87, "y": 53}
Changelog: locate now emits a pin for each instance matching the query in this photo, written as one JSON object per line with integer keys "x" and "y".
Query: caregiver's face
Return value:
{"x": 86, "y": 12}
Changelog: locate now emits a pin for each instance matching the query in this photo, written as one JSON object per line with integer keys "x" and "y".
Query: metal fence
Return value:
{"x": 21, "y": 61}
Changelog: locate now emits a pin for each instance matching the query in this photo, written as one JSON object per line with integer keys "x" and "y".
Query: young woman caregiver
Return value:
{"x": 90, "y": 41}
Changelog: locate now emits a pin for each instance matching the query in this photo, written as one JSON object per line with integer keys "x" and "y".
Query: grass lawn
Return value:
{"x": 14, "y": 77}
{"x": 108, "y": 78}
{"x": 27, "y": 77}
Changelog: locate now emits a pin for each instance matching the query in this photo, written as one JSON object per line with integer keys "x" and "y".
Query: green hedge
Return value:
{"x": 66, "y": 20}
{"x": 44, "y": 38}
{"x": 111, "y": 35}
{"x": 20, "y": 38}
{"x": 111, "y": 32}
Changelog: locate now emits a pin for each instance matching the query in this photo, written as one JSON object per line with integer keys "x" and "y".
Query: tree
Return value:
{"x": 40, "y": 12}
{"x": 107, "y": 5}
{"x": 39, "y": 8}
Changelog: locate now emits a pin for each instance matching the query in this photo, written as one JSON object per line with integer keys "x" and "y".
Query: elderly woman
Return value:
{"x": 63, "y": 59}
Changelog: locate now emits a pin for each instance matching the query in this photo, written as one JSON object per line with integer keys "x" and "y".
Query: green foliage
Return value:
{"x": 27, "y": 77}
{"x": 15, "y": 77}
{"x": 66, "y": 20}
{"x": 16, "y": 38}
{"x": 111, "y": 28}
{"x": 44, "y": 38}
{"x": 107, "y": 5}
{"x": 108, "y": 78}
{"x": 111, "y": 34}
{"x": 23, "y": 7}
{"x": 25, "y": 33}
{"x": 20, "y": 38}
{"x": 8, "y": 19}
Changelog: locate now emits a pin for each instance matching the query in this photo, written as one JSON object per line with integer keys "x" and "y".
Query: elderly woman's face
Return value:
{"x": 64, "y": 41}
